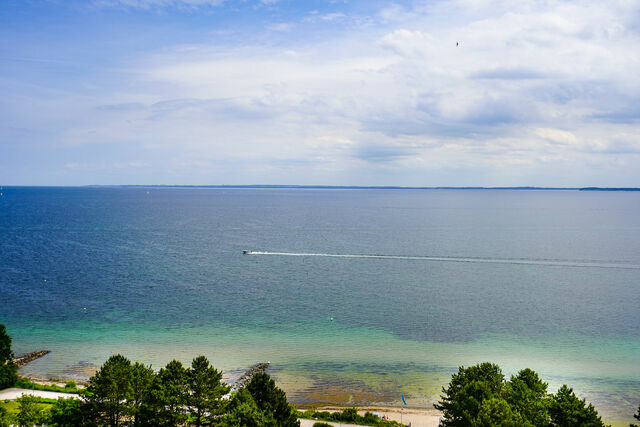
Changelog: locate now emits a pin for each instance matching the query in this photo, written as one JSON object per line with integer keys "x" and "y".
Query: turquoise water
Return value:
{"x": 540, "y": 279}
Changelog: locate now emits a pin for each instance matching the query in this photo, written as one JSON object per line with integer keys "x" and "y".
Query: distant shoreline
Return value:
{"x": 373, "y": 187}
{"x": 330, "y": 187}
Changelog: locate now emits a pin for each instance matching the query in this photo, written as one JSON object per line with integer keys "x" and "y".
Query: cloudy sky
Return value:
{"x": 335, "y": 92}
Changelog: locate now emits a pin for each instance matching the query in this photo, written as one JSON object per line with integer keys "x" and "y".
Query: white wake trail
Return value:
{"x": 458, "y": 259}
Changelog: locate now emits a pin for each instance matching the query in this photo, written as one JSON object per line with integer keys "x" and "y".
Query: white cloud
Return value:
{"x": 332, "y": 16}
{"x": 556, "y": 135}
{"x": 126, "y": 165}
{"x": 281, "y": 26}
{"x": 531, "y": 86}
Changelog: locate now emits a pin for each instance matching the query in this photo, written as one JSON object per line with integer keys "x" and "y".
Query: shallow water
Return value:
{"x": 417, "y": 282}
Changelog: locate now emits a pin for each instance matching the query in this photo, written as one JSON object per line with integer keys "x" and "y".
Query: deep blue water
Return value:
{"x": 547, "y": 279}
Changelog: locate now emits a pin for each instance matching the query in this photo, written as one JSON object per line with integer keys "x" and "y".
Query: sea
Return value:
{"x": 354, "y": 296}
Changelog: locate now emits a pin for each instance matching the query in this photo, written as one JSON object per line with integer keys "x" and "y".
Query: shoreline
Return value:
{"x": 317, "y": 389}
{"x": 416, "y": 417}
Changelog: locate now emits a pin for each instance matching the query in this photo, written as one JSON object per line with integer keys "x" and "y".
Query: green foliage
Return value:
{"x": 5, "y": 418}
{"x": 141, "y": 379}
{"x": 243, "y": 411}
{"x": 5, "y": 345}
{"x": 637, "y": 417}
{"x": 349, "y": 415}
{"x": 67, "y": 412}
{"x": 8, "y": 369}
{"x": 479, "y": 396}
{"x": 321, "y": 424}
{"x": 206, "y": 390}
{"x": 497, "y": 412}
{"x": 567, "y": 410}
{"x": 271, "y": 400}
{"x": 467, "y": 390}
{"x": 9, "y": 409}
{"x": 26, "y": 383}
{"x": 30, "y": 411}
{"x": 527, "y": 395}
{"x": 109, "y": 390}
{"x": 121, "y": 392}
{"x": 167, "y": 396}
{"x": 370, "y": 419}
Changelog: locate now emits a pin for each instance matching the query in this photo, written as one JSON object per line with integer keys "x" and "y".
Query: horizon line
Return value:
{"x": 328, "y": 187}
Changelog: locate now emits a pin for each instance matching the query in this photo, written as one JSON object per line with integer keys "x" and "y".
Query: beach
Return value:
{"x": 415, "y": 417}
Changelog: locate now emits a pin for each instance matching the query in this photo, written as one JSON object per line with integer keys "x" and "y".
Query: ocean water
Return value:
{"x": 417, "y": 282}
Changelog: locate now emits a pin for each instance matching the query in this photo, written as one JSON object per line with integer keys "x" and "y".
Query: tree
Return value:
{"x": 478, "y": 396}
{"x": 5, "y": 419}
{"x": 30, "y": 411}
{"x": 527, "y": 395}
{"x": 167, "y": 396}
{"x": 108, "y": 391}
{"x": 141, "y": 379}
{"x": 8, "y": 369}
{"x": 67, "y": 412}
{"x": 637, "y": 417}
{"x": 271, "y": 400}
{"x": 497, "y": 412}
{"x": 467, "y": 390}
{"x": 567, "y": 410}
{"x": 243, "y": 411}
{"x": 206, "y": 390}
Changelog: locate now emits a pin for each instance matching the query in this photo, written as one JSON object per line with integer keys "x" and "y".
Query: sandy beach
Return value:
{"x": 416, "y": 417}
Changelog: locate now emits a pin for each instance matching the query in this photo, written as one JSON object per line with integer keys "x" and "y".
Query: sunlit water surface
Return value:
{"x": 417, "y": 282}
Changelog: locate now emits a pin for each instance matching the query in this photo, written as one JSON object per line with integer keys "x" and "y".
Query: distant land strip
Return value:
{"x": 371, "y": 187}
{"x": 324, "y": 187}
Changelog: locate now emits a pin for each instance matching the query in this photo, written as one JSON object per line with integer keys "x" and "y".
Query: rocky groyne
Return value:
{"x": 248, "y": 374}
{"x": 23, "y": 359}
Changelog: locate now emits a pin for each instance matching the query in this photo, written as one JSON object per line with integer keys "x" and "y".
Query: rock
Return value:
{"x": 249, "y": 373}
{"x": 23, "y": 359}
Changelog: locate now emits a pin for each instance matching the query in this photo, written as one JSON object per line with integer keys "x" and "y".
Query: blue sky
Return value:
{"x": 340, "y": 92}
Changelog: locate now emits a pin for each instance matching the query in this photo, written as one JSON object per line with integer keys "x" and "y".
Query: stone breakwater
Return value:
{"x": 249, "y": 373}
{"x": 23, "y": 359}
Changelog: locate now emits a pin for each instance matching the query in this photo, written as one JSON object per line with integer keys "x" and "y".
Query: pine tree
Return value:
{"x": 109, "y": 391}
{"x": 242, "y": 411}
{"x": 67, "y": 413}
{"x": 205, "y": 391}
{"x": 8, "y": 369}
{"x": 461, "y": 401}
{"x": 527, "y": 395}
{"x": 141, "y": 380}
{"x": 567, "y": 410}
{"x": 271, "y": 400}
{"x": 164, "y": 403}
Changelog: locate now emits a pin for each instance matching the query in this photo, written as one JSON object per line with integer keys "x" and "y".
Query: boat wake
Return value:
{"x": 558, "y": 263}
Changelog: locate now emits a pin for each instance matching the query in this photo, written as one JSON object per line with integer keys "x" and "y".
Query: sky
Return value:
{"x": 335, "y": 92}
